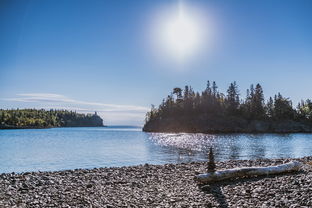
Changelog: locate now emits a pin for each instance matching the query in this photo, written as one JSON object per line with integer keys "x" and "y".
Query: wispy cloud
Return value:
{"x": 57, "y": 98}
{"x": 111, "y": 112}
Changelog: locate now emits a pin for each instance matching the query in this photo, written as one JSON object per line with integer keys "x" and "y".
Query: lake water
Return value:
{"x": 70, "y": 148}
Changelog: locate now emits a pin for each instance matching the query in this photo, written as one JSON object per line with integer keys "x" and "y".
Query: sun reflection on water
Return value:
{"x": 194, "y": 142}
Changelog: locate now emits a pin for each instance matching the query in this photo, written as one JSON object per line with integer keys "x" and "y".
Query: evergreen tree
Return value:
{"x": 214, "y": 89}
{"x": 283, "y": 108}
{"x": 211, "y": 162}
{"x": 232, "y": 99}
{"x": 178, "y": 92}
{"x": 189, "y": 107}
{"x": 304, "y": 110}
{"x": 208, "y": 88}
{"x": 257, "y": 103}
{"x": 270, "y": 108}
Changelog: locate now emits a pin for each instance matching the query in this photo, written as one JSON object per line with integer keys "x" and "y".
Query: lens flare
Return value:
{"x": 179, "y": 33}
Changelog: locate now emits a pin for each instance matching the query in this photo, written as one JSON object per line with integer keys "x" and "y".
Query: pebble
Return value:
{"x": 148, "y": 185}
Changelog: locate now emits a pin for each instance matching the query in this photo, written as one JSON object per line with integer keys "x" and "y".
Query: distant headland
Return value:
{"x": 211, "y": 111}
{"x": 34, "y": 118}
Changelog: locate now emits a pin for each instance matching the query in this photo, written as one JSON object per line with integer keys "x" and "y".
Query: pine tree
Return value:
{"x": 258, "y": 103}
{"x": 214, "y": 89}
{"x": 208, "y": 88}
{"x": 270, "y": 108}
{"x": 283, "y": 108}
{"x": 232, "y": 99}
{"x": 211, "y": 162}
{"x": 178, "y": 92}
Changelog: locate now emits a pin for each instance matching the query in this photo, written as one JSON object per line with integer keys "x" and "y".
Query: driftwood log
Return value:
{"x": 247, "y": 171}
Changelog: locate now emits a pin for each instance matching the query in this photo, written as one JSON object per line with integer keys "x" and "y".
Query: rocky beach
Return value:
{"x": 170, "y": 185}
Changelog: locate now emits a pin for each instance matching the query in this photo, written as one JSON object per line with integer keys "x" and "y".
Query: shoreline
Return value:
{"x": 229, "y": 132}
{"x": 50, "y": 127}
{"x": 170, "y": 131}
{"x": 234, "y": 125}
{"x": 169, "y": 185}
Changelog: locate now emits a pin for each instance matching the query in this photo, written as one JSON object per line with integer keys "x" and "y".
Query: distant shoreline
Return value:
{"x": 30, "y": 127}
{"x": 41, "y": 118}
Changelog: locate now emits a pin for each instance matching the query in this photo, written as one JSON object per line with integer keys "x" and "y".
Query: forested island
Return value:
{"x": 211, "y": 111}
{"x": 34, "y": 118}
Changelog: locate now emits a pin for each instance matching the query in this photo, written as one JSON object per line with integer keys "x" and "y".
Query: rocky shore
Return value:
{"x": 170, "y": 185}
{"x": 229, "y": 125}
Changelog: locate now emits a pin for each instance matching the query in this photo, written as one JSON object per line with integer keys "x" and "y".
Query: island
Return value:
{"x": 211, "y": 111}
{"x": 41, "y": 118}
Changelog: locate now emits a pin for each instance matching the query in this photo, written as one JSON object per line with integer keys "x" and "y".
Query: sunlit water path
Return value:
{"x": 70, "y": 148}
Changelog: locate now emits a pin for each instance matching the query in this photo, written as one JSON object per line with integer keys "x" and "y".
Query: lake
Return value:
{"x": 24, "y": 150}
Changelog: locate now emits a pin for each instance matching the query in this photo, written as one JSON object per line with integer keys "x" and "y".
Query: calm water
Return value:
{"x": 70, "y": 148}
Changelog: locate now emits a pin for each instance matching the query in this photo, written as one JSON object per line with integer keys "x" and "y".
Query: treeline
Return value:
{"x": 185, "y": 104}
{"x": 34, "y": 118}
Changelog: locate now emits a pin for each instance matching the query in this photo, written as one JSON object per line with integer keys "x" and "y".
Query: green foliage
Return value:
{"x": 33, "y": 118}
{"x": 232, "y": 99}
{"x": 304, "y": 110}
{"x": 283, "y": 108}
{"x": 210, "y": 103}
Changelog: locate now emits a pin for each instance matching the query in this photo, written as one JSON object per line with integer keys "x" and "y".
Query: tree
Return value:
{"x": 270, "y": 108}
{"x": 193, "y": 109}
{"x": 25, "y": 118}
{"x": 178, "y": 92}
{"x": 211, "y": 162}
{"x": 187, "y": 98}
{"x": 232, "y": 99}
{"x": 304, "y": 110}
{"x": 283, "y": 108}
{"x": 208, "y": 88}
{"x": 257, "y": 103}
{"x": 214, "y": 88}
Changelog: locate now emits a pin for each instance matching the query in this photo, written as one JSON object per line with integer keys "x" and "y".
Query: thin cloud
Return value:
{"x": 112, "y": 113}
{"x": 57, "y": 98}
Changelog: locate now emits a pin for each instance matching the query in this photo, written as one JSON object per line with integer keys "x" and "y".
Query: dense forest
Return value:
{"x": 212, "y": 111}
{"x": 33, "y": 118}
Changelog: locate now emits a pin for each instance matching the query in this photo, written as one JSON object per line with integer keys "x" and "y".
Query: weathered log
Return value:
{"x": 247, "y": 171}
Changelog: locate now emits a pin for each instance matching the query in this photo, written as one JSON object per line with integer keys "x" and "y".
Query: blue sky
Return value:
{"x": 97, "y": 55}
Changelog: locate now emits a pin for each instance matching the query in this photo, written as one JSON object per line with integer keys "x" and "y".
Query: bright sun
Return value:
{"x": 180, "y": 33}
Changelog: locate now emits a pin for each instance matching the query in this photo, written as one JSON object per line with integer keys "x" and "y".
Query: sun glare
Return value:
{"x": 179, "y": 33}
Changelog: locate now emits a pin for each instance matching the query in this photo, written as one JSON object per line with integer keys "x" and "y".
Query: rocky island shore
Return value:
{"x": 233, "y": 125}
{"x": 169, "y": 185}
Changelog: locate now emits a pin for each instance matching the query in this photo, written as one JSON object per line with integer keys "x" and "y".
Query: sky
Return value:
{"x": 106, "y": 56}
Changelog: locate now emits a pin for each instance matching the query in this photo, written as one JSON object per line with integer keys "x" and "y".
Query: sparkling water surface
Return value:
{"x": 70, "y": 148}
